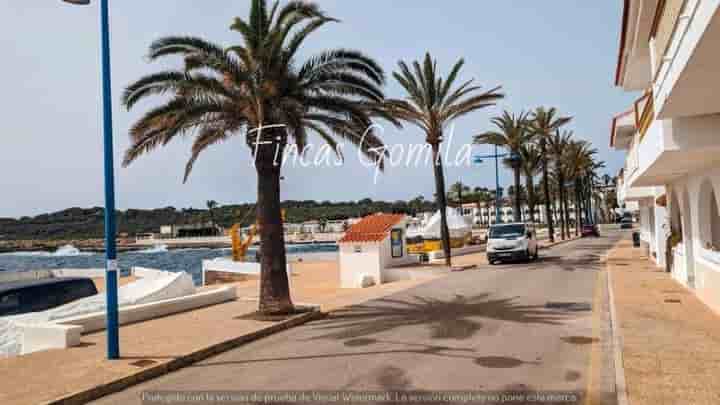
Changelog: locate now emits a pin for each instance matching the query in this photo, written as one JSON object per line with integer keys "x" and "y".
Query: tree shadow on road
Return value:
{"x": 457, "y": 318}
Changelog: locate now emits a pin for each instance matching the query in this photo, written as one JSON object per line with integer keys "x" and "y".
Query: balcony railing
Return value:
{"x": 664, "y": 26}
{"x": 644, "y": 113}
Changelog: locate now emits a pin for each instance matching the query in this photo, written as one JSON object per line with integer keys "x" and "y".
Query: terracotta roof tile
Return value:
{"x": 373, "y": 228}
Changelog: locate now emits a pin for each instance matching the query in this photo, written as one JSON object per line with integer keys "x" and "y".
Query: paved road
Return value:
{"x": 492, "y": 329}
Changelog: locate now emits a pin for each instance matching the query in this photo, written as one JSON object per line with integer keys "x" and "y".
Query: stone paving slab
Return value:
{"x": 671, "y": 351}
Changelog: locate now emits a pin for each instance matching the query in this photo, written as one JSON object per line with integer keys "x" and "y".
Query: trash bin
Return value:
{"x": 636, "y": 239}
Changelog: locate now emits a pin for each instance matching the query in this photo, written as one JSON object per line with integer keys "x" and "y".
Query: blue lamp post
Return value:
{"x": 478, "y": 159}
{"x": 111, "y": 267}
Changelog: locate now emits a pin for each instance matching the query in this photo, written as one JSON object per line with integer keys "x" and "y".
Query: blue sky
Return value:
{"x": 560, "y": 53}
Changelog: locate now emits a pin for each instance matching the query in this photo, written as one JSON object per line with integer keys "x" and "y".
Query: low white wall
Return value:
{"x": 465, "y": 250}
{"x": 66, "y": 333}
{"x": 229, "y": 266}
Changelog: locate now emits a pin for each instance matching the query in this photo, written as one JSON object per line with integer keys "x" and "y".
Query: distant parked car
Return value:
{"x": 590, "y": 230}
{"x": 20, "y": 297}
{"x": 626, "y": 223}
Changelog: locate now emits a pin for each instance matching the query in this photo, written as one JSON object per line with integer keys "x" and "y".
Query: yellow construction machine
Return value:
{"x": 240, "y": 246}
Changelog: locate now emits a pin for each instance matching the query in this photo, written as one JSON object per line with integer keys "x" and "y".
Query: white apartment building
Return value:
{"x": 480, "y": 214}
{"x": 670, "y": 53}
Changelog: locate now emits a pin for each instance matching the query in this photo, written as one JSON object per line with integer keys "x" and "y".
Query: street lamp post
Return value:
{"x": 111, "y": 267}
{"x": 478, "y": 159}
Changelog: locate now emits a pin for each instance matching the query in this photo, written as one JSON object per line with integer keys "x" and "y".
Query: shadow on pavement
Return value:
{"x": 458, "y": 318}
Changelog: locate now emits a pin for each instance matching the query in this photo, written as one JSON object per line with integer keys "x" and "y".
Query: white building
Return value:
{"x": 371, "y": 247}
{"x": 480, "y": 214}
{"x": 670, "y": 51}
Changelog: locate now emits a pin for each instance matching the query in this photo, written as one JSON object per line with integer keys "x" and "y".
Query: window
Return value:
{"x": 76, "y": 290}
{"x": 507, "y": 231}
{"x": 396, "y": 243}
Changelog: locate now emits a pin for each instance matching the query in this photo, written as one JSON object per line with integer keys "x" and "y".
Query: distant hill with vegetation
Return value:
{"x": 87, "y": 223}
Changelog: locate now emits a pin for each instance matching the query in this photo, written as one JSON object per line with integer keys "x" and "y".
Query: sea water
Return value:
{"x": 158, "y": 257}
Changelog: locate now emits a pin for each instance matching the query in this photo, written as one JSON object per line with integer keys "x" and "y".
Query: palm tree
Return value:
{"x": 260, "y": 91}
{"x": 456, "y": 192}
{"x": 512, "y": 133}
{"x": 544, "y": 123}
{"x": 211, "y": 205}
{"x": 580, "y": 163}
{"x": 530, "y": 162}
{"x": 431, "y": 104}
{"x": 557, "y": 146}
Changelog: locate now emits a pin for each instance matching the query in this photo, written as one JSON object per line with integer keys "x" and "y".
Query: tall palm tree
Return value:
{"x": 530, "y": 162}
{"x": 432, "y": 103}
{"x": 511, "y": 134}
{"x": 580, "y": 163}
{"x": 259, "y": 90}
{"x": 544, "y": 123}
{"x": 557, "y": 147}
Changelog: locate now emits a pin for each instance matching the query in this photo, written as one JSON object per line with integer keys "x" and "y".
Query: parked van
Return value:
{"x": 20, "y": 297}
{"x": 516, "y": 241}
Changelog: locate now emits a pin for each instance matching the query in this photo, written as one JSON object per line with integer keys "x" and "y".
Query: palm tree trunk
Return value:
{"x": 578, "y": 208}
{"x": 441, "y": 202}
{"x": 546, "y": 191}
{"x": 563, "y": 207}
{"x": 566, "y": 211}
{"x": 518, "y": 209}
{"x": 530, "y": 190}
{"x": 274, "y": 285}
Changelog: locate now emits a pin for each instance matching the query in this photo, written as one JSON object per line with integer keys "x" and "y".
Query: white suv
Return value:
{"x": 516, "y": 241}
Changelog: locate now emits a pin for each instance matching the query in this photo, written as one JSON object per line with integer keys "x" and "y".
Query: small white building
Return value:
{"x": 370, "y": 247}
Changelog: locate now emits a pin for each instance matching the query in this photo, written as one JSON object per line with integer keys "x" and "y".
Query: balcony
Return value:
{"x": 625, "y": 191}
{"x": 670, "y": 149}
{"x": 685, "y": 38}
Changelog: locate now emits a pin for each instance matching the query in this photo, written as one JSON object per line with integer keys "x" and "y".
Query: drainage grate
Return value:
{"x": 143, "y": 363}
{"x": 570, "y": 306}
{"x": 673, "y": 301}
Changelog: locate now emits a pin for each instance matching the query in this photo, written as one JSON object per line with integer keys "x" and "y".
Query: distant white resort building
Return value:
{"x": 670, "y": 52}
{"x": 485, "y": 214}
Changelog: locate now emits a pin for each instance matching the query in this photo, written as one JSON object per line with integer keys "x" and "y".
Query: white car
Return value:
{"x": 515, "y": 241}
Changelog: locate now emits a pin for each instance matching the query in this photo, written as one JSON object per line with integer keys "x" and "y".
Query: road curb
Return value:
{"x": 560, "y": 242}
{"x": 620, "y": 383}
{"x": 85, "y": 396}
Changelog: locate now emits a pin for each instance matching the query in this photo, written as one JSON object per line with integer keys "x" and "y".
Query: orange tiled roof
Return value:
{"x": 372, "y": 228}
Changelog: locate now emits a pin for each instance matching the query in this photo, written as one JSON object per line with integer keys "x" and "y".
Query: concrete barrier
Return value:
{"x": 465, "y": 250}
{"x": 66, "y": 332}
{"x": 223, "y": 270}
{"x": 46, "y": 336}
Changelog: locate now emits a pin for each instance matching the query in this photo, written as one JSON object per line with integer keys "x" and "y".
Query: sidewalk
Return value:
{"x": 671, "y": 340}
{"x": 165, "y": 342}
